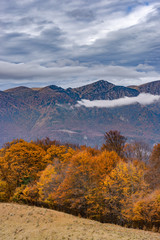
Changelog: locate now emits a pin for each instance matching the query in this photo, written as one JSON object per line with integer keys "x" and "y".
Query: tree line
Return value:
{"x": 119, "y": 183}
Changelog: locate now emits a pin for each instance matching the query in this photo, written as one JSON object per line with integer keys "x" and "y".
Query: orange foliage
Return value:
{"x": 153, "y": 174}
{"x": 146, "y": 211}
{"x": 80, "y": 189}
{"x": 20, "y": 164}
{"x": 93, "y": 183}
{"x": 120, "y": 185}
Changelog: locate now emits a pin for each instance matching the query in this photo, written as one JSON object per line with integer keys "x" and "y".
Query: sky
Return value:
{"x": 70, "y": 43}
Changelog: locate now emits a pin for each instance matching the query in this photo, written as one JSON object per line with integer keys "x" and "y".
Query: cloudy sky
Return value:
{"x": 75, "y": 42}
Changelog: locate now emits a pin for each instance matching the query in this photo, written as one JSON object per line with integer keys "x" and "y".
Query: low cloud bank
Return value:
{"x": 143, "y": 98}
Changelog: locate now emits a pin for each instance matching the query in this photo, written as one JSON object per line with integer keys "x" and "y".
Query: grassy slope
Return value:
{"x": 33, "y": 223}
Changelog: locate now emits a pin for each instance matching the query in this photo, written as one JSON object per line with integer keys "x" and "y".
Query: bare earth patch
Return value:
{"x": 33, "y": 223}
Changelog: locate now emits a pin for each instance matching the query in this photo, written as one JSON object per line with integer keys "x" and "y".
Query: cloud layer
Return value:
{"x": 143, "y": 99}
{"x": 71, "y": 43}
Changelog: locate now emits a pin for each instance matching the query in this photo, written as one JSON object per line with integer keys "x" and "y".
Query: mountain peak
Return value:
{"x": 99, "y": 83}
{"x": 90, "y": 91}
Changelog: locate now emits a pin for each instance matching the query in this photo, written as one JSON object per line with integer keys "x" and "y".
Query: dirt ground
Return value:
{"x": 33, "y": 223}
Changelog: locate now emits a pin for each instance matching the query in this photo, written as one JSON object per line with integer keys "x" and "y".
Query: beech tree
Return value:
{"x": 73, "y": 189}
{"x": 114, "y": 141}
{"x": 137, "y": 150}
{"x": 20, "y": 164}
{"x": 153, "y": 173}
{"x": 146, "y": 211}
{"x": 120, "y": 184}
{"x": 3, "y": 191}
{"x": 80, "y": 191}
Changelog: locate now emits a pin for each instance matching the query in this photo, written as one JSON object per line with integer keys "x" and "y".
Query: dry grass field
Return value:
{"x": 34, "y": 223}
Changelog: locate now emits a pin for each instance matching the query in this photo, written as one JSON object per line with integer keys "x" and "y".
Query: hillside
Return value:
{"x": 51, "y": 111}
{"x": 33, "y": 223}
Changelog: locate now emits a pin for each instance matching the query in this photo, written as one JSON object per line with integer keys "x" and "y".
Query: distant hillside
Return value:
{"x": 152, "y": 87}
{"x": 51, "y": 111}
{"x": 25, "y": 222}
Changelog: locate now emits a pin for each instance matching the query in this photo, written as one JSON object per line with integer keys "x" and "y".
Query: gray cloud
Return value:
{"x": 143, "y": 99}
{"x": 79, "y": 41}
{"x": 82, "y": 15}
{"x": 62, "y": 72}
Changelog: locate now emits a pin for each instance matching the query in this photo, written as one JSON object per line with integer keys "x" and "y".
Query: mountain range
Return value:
{"x": 54, "y": 112}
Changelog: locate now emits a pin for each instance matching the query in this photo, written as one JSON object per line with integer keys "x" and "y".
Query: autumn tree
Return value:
{"x": 80, "y": 190}
{"x": 124, "y": 181}
{"x": 137, "y": 150}
{"x": 153, "y": 173}
{"x": 48, "y": 182}
{"x": 72, "y": 191}
{"x": 102, "y": 165}
{"x": 38, "y": 191}
{"x": 20, "y": 163}
{"x": 46, "y": 143}
{"x": 57, "y": 157}
{"x": 62, "y": 153}
{"x": 146, "y": 211}
{"x": 114, "y": 141}
{"x": 7, "y": 145}
{"x": 3, "y": 191}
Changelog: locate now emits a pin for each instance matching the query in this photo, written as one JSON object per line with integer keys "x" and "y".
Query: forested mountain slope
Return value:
{"x": 52, "y": 111}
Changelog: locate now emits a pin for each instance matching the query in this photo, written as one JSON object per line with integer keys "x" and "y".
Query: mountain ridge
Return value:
{"x": 96, "y": 88}
{"x": 51, "y": 111}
